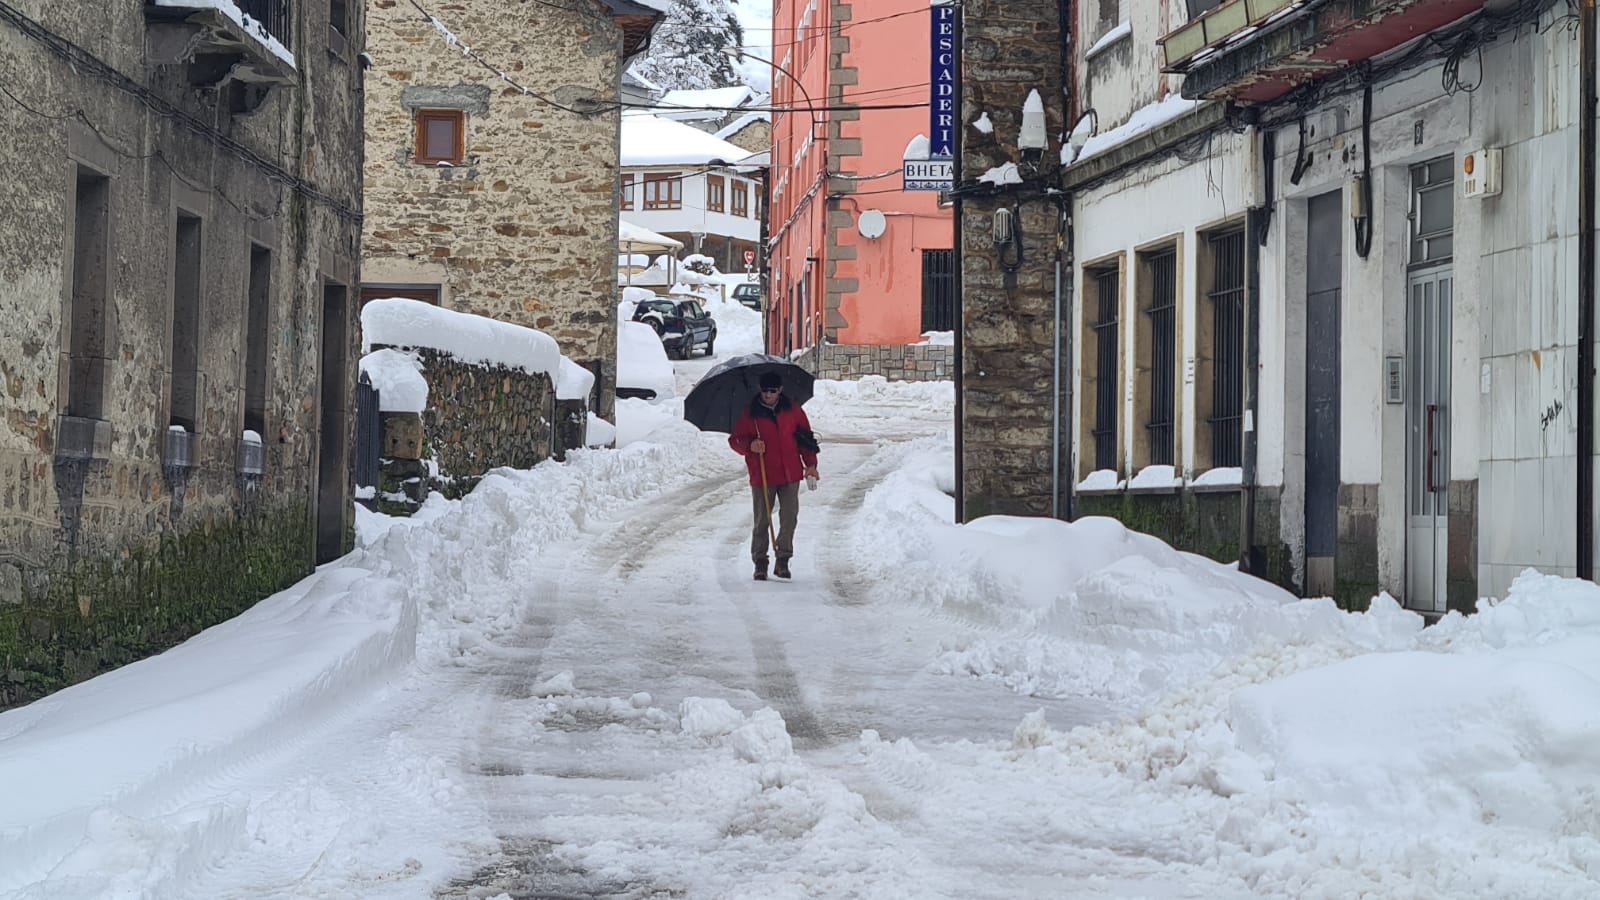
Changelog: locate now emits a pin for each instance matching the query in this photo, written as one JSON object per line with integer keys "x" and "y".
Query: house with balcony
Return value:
{"x": 1326, "y": 280}
{"x": 692, "y": 187}
{"x": 861, "y": 270}
{"x": 492, "y": 163}
{"x": 177, "y": 262}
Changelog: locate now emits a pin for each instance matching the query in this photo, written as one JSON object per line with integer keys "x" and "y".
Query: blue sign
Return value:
{"x": 942, "y": 105}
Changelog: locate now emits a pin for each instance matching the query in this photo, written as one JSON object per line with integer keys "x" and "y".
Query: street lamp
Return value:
{"x": 811, "y": 106}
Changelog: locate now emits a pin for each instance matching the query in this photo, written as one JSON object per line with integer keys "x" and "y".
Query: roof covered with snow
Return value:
{"x": 717, "y": 99}
{"x": 653, "y": 141}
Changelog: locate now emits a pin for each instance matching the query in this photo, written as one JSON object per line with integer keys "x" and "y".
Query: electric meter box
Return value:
{"x": 1480, "y": 173}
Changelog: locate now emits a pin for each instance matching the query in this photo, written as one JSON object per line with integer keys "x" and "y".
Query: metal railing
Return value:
{"x": 1227, "y": 348}
{"x": 277, "y": 16}
{"x": 1162, "y": 269}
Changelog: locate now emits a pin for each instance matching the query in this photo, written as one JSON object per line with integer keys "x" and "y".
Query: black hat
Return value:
{"x": 770, "y": 380}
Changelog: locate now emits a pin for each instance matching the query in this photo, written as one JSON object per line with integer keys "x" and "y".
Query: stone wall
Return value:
{"x": 111, "y": 545}
{"x": 482, "y": 417}
{"x": 525, "y": 229}
{"x": 896, "y": 362}
{"x": 1010, "y": 48}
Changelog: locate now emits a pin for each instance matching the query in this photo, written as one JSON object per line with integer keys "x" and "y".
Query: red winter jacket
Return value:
{"x": 785, "y": 461}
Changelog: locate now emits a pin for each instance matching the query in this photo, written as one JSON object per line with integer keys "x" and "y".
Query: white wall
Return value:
{"x": 694, "y": 217}
{"x": 1172, "y": 199}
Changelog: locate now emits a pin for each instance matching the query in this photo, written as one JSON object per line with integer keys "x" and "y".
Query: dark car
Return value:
{"x": 749, "y": 295}
{"x": 682, "y": 324}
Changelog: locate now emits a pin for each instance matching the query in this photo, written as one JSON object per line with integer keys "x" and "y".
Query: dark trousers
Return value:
{"x": 785, "y": 498}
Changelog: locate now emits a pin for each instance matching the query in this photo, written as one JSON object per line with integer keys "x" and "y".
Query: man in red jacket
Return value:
{"x": 765, "y": 437}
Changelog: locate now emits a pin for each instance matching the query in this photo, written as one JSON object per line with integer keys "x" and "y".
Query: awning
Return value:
{"x": 633, "y": 239}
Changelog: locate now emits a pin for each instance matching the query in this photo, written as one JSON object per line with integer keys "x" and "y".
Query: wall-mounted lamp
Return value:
{"x": 1033, "y": 139}
{"x": 1005, "y": 227}
{"x": 1007, "y": 239}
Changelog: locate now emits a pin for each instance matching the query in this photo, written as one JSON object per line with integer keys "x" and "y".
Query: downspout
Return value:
{"x": 1586, "y": 248}
{"x": 1055, "y": 379}
{"x": 960, "y": 315}
{"x": 1258, "y": 223}
{"x": 1061, "y": 500}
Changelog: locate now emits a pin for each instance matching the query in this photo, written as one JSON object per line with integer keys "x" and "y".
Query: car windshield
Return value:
{"x": 745, "y": 290}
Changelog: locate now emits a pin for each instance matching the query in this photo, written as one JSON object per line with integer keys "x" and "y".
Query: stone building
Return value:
{"x": 179, "y": 216}
{"x": 492, "y": 163}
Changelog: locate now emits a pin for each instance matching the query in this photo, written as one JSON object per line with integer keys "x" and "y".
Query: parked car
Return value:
{"x": 748, "y": 294}
{"x": 682, "y": 325}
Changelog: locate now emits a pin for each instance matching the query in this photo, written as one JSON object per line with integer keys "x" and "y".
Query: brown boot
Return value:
{"x": 782, "y": 568}
{"x": 761, "y": 569}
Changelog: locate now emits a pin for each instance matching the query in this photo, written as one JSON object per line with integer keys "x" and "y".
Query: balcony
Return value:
{"x": 243, "y": 41}
{"x": 1254, "y": 51}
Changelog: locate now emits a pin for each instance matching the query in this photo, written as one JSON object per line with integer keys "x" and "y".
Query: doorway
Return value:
{"x": 1324, "y": 283}
{"x": 1429, "y": 286}
{"x": 333, "y": 433}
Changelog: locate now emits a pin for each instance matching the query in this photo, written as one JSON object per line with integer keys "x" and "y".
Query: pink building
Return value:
{"x": 860, "y": 269}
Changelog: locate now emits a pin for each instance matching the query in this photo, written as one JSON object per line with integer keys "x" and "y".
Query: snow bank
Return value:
{"x": 256, "y": 684}
{"x": 575, "y": 382}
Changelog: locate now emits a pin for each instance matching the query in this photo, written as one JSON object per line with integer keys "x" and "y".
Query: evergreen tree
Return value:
{"x": 686, "y": 52}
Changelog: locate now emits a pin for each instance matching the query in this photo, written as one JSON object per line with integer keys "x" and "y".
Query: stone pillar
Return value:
{"x": 1010, "y": 48}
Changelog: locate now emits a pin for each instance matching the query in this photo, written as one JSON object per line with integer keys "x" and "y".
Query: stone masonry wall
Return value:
{"x": 896, "y": 362}
{"x": 1009, "y": 49}
{"x": 481, "y": 417}
{"x": 108, "y": 550}
{"x": 525, "y": 229}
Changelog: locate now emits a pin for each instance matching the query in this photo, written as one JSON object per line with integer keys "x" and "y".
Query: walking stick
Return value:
{"x": 766, "y": 500}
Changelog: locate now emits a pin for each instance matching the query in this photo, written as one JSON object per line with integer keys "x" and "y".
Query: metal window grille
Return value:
{"x": 1105, "y": 385}
{"x": 938, "y": 290}
{"x": 1227, "y": 348}
{"x": 1162, "y": 270}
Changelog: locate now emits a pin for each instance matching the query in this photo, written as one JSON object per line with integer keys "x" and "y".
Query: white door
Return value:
{"x": 1427, "y": 438}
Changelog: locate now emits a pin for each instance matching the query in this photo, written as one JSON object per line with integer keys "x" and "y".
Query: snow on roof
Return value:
{"x": 653, "y": 141}
{"x": 709, "y": 98}
{"x": 398, "y": 322}
{"x": 632, "y": 75}
{"x": 743, "y": 122}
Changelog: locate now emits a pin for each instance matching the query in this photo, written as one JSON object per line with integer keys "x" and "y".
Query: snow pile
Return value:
{"x": 1361, "y": 755}
{"x": 641, "y": 360}
{"x": 575, "y": 382}
{"x": 397, "y": 376}
{"x": 638, "y": 419}
{"x": 246, "y": 687}
{"x": 398, "y": 322}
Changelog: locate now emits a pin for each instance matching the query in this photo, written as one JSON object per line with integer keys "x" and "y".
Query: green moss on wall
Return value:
{"x": 98, "y": 614}
{"x": 1207, "y": 524}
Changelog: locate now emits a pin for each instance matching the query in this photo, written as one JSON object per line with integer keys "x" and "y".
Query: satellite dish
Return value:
{"x": 872, "y": 224}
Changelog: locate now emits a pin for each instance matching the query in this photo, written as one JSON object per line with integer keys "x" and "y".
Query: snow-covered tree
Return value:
{"x": 686, "y": 52}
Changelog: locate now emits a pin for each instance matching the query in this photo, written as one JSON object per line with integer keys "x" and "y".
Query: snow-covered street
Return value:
{"x": 567, "y": 685}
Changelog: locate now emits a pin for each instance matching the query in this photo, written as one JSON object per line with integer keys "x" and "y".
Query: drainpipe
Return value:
{"x": 1258, "y": 221}
{"x": 960, "y": 315}
{"x": 1586, "y": 247}
{"x": 1061, "y": 501}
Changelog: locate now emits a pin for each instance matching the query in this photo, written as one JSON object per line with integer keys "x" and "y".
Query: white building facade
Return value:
{"x": 1306, "y": 295}
{"x": 689, "y": 185}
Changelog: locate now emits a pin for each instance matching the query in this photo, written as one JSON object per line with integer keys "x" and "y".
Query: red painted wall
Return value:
{"x": 888, "y": 49}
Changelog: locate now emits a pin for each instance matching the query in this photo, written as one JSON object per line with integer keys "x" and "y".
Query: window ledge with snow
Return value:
{"x": 1100, "y": 481}
{"x": 1220, "y": 480}
{"x": 1155, "y": 480}
{"x": 1117, "y": 35}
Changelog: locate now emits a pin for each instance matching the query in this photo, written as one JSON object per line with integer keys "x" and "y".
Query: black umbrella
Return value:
{"x": 726, "y": 390}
